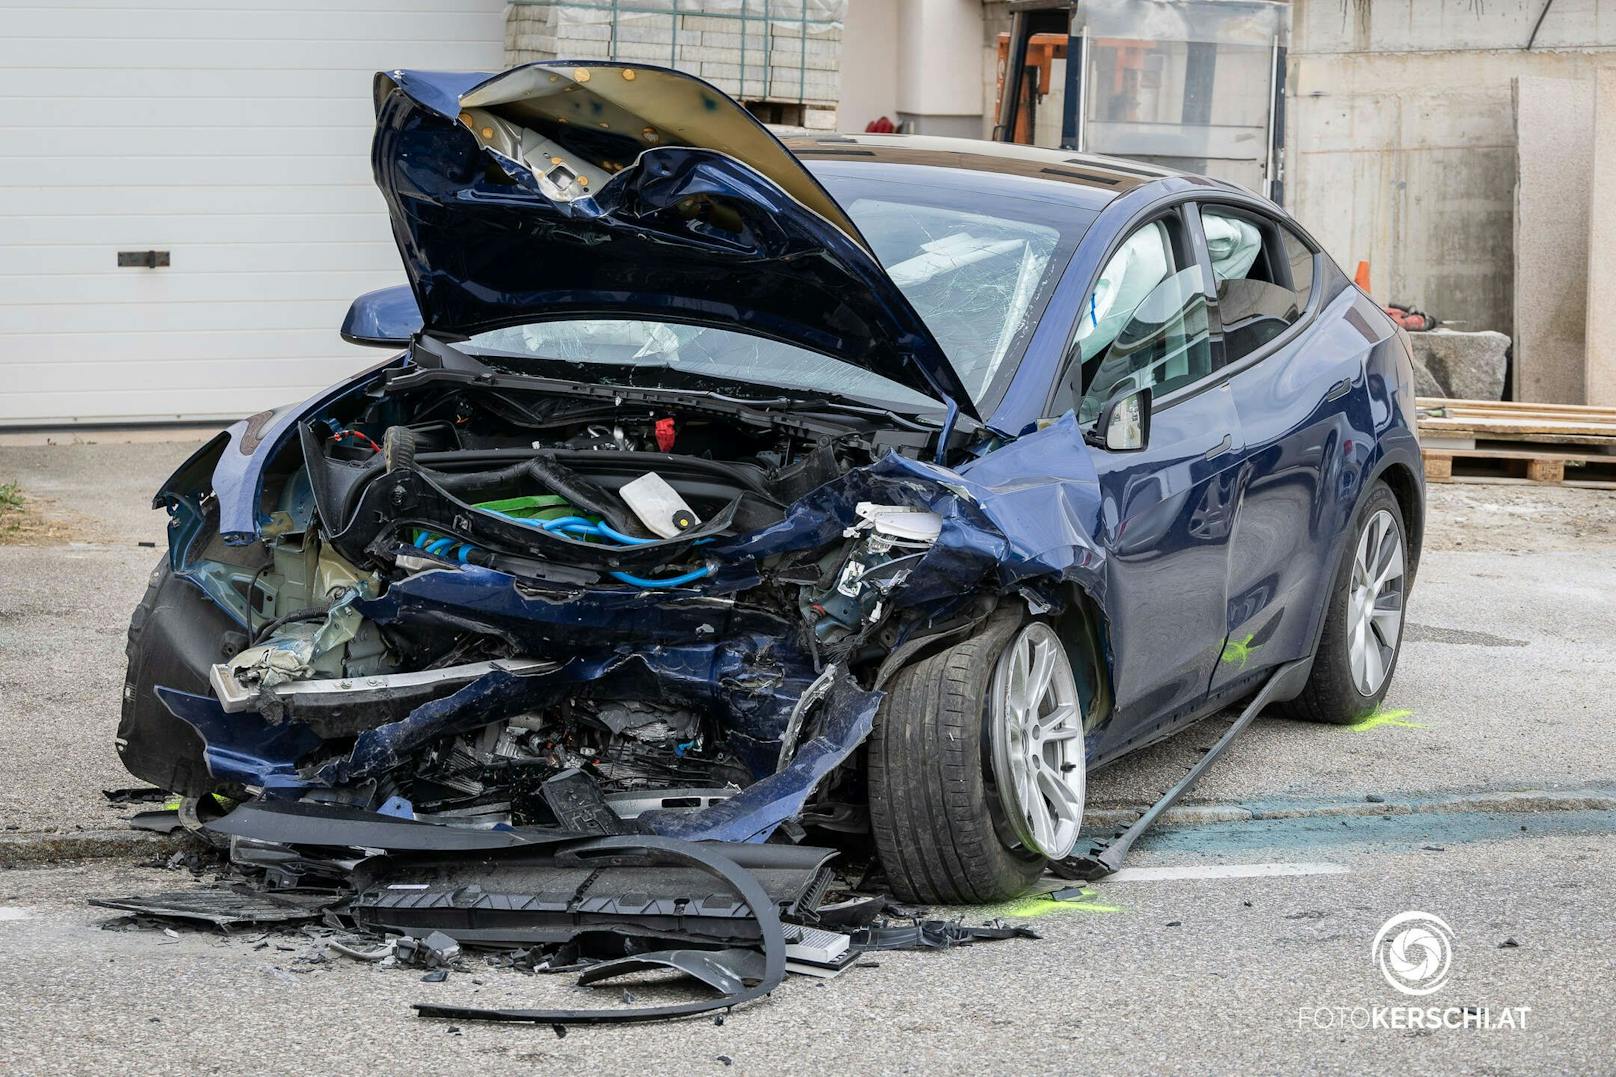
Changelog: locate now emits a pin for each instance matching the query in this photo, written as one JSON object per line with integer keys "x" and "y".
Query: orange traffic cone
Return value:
{"x": 1361, "y": 278}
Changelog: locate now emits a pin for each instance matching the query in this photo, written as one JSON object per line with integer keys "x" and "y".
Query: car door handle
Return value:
{"x": 1339, "y": 389}
{"x": 1220, "y": 448}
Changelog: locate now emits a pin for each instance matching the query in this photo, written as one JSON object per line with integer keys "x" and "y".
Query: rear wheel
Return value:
{"x": 977, "y": 767}
{"x": 1363, "y": 627}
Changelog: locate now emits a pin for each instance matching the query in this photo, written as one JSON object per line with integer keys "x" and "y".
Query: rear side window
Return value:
{"x": 1253, "y": 261}
{"x": 1300, "y": 256}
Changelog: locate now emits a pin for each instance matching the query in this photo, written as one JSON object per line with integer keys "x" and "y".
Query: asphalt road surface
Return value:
{"x": 1484, "y": 794}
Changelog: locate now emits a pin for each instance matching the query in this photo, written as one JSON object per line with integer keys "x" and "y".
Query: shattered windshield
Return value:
{"x": 978, "y": 279}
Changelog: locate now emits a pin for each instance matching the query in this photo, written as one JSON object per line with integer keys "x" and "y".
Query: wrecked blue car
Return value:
{"x": 722, "y": 489}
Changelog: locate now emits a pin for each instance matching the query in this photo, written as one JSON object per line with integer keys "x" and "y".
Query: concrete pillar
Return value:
{"x": 1553, "y": 133}
{"x": 1599, "y": 368}
{"x": 869, "y": 74}
{"x": 939, "y": 61}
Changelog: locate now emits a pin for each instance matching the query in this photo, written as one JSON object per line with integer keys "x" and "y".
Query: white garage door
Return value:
{"x": 232, "y": 134}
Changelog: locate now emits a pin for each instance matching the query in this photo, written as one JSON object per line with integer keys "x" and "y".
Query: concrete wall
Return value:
{"x": 1554, "y": 122}
{"x": 869, "y": 74}
{"x": 1400, "y": 137}
{"x": 1599, "y": 370}
{"x": 939, "y": 64}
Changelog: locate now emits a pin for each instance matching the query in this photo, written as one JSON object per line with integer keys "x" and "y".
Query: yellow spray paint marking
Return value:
{"x": 1395, "y": 718}
{"x": 1042, "y": 905}
{"x": 1238, "y": 652}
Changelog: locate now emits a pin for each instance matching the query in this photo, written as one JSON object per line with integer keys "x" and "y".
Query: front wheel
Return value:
{"x": 1363, "y": 626}
{"x": 976, "y": 767}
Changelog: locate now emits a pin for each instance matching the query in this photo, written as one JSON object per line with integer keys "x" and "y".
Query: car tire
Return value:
{"x": 1335, "y": 692}
{"x": 933, "y": 814}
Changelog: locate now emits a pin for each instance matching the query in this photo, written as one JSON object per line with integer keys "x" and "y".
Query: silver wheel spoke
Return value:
{"x": 1391, "y": 568}
{"x": 1061, "y": 800}
{"x": 1036, "y": 735}
{"x": 1043, "y": 665}
{"x": 1063, "y": 713}
{"x": 1386, "y": 623}
{"x": 1373, "y": 669}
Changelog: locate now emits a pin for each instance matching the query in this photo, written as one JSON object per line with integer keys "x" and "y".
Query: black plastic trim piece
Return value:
{"x": 699, "y": 855}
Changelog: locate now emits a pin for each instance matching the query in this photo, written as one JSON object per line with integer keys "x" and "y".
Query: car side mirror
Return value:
{"x": 1124, "y": 424}
{"x": 385, "y": 318}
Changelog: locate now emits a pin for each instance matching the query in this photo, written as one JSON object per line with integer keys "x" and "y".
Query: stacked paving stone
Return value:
{"x": 786, "y": 51}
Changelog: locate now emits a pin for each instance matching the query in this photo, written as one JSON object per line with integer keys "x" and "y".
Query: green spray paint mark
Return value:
{"x": 1238, "y": 652}
{"x": 1395, "y": 719}
{"x": 1038, "y": 905}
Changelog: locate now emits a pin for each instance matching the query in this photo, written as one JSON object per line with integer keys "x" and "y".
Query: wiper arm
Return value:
{"x": 851, "y": 407}
{"x": 464, "y": 360}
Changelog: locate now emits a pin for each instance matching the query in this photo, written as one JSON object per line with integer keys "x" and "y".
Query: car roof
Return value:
{"x": 1086, "y": 178}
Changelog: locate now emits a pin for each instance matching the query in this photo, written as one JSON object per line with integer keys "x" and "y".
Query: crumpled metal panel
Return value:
{"x": 709, "y": 204}
{"x": 1019, "y": 517}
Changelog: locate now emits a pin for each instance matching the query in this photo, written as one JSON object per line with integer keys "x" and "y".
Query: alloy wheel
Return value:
{"x": 1036, "y": 734}
{"x": 1375, "y": 602}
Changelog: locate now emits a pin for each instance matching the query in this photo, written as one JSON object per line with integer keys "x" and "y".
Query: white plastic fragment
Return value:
{"x": 899, "y": 523}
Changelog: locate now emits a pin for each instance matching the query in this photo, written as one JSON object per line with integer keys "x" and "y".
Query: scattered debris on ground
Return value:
{"x": 438, "y": 902}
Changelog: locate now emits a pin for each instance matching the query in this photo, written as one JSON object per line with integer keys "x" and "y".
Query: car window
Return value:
{"x": 978, "y": 271}
{"x": 1300, "y": 256}
{"x": 1256, "y": 300}
{"x": 1144, "y": 324}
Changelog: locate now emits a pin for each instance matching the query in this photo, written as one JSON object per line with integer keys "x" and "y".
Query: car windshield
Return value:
{"x": 978, "y": 277}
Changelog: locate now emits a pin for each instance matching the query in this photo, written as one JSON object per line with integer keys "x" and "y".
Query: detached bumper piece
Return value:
{"x": 637, "y": 885}
{"x": 732, "y": 971}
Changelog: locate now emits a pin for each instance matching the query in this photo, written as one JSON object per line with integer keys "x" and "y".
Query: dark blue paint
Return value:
{"x": 762, "y": 262}
{"x": 386, "y": 316}
{"x": 243, "y": 747}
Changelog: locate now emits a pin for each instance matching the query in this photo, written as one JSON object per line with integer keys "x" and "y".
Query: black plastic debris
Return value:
{"x": 332, "y": 825}
{"x": 223, "y": 909}
{"x": 400, "y": 892}
{"x": 578, "y": 804}
{"x": 157, "y": 820}
{"x": 726, "y": 971}
{"x": 523, "y": 898}
{"x": 134, "y": 794}
{"x": 859, "y": 911}
{"x": 933, "y": 935}
{"x": 437, "y": 950}
{"x": 710, "y": 857}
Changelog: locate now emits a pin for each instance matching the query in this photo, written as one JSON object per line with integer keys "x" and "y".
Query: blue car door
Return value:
{"x": 1167, "y": 509}
{"x": 1296, "y": 380}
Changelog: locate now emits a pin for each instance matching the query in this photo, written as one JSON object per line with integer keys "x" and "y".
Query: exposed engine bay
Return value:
{"x": 466, "y": 594}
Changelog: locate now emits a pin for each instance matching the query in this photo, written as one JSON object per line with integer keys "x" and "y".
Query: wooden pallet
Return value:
{"x": 1494, "y": 420}
{"x": 1506, "y": 466}
{"x": 1500, "y": 441}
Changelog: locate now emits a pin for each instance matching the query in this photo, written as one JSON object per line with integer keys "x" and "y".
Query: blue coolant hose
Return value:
{"x": 577, "y": 525}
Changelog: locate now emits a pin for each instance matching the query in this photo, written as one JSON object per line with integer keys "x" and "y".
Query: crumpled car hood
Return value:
{"x": 558, "y": 191}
